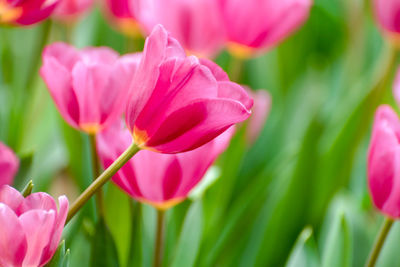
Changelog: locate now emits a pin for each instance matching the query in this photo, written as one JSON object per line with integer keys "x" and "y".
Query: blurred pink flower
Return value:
{"x": 196, "y": 24}
{"x": 25, "y": 12}
{"x": 162, "y": 180}
{"x": 257, "y": 25}
{"x": 387, "y": 13}
{"x": 30, "y": 228}
{"x": 177, "y": 102}
{"x": 261, "y": 107}
{"x": 8, "y": 165}
{"x": 89, "y": 87}
{"x": 71, "y": 9}
{"x": 123, "y": 14}
{"x": 383, "y": 162}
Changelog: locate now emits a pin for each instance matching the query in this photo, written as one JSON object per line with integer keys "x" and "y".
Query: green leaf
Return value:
{"x": 304, "y": 253}
{"x": 119, "y": 219}
{"x": 27, "y": 189}
{"x": 189, "y": 241}
{"x": 104, "y": 251}
{"x": 61, "y": 257}
{"x": 338, "y": 245}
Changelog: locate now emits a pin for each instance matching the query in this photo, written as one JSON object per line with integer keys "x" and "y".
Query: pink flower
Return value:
{"x": 258, "y": 25}
{"x": 387, "y": 13}
{"x": 162, "y": 180}
{"x": 25, "y": 12}
{"x": 384, "y": 162}
{"x": 8, "y": 165}
{"x": 30, "y": 228}
{"x": 196, "y": 24}
{"x": 261, "y": 107}
{"x": 179, "y": 103}
{"x": 71, "y": 9}
{"x": 123, "y": 13}
{"x": 90, "y": 86}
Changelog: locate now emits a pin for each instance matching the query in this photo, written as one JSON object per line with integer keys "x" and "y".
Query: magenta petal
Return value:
{"x": 66, "y": 55}
{"x": 197, "y": 124}
{"x": 13, "y": 245}
{"x": 180, "y": 82}
{"x": 58, "y": 227}
{"x": 41, "y": 201}
{"x": 158, "y": 46}
{"x": 154, "y": 187}
{"x": 197, "y": 161}
{"x": 216, "y": 70}
{"x": 59, "y": 82}
{"x": 38, "y": 226}
{"x": 89, "y": 82}
{"x": 8, "y": 165}
{"x": 233, "y": 91}
{"x": 10, "y": 197}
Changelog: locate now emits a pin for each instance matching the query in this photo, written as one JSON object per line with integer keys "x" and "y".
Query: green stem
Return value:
{"x": 235, "y": 69}
{"x": 380, "y": 240}
{"x": 101, "y": 180}
{"x": 96, "y": 173}
{"x": 158, "y": 250}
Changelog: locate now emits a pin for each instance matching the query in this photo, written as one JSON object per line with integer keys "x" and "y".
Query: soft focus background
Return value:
{"x": 297, "y": 197}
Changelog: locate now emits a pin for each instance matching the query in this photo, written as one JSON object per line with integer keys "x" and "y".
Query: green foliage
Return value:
{"x": 61, "y": 257}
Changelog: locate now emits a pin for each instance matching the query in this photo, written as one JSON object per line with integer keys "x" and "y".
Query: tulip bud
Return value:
{"x": 384, "y": 162}
{"x": 179, "y": 103}
{"x": 30, "y": 227}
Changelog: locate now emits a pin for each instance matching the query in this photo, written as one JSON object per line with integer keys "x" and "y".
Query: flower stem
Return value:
{"x": 101, "y": 180}
{"x": 235, "y": 69}
{"x": 158, "y": 250}
{"x": 96, "y": 173}
{"x": 380, "y": 240}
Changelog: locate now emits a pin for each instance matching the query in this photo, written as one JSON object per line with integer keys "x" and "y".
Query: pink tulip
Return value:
{"x": 8, "y": 165}
{"x": 71, "y": 9}
{"x": 257, "y": 25}
{"x": 196, "y": 24}
{"x": 123, "y": 14}
{"x": 179, "y": 103}
{"x": 162, "y": 180}
{"x": 30, "y": 228}
{"x": 261, "y": 107}
{"x": 90, "y": 86}
{"x": 25, "y": 12}
{"x": 384, "y": 162}
{"x": 387, "y": 14}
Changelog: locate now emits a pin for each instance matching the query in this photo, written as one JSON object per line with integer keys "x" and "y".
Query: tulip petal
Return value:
{"x": 41, "y": 201}
{"x": 11, "y": 197}
{"x": 216, "y": 70}
{"x": 230, "y": 90}
{"x": 38, "y": 226}
{"x": 197, "y": 124}
{"x": 13, "y": 244}
{"x": 58, "y": 80}
{"x": 180, "y": 83}
{"x": 49, "y": 251}
{"x": 158, "y": 46}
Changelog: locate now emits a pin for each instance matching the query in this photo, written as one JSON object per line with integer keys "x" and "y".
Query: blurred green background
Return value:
{"x": 297, "y": 197}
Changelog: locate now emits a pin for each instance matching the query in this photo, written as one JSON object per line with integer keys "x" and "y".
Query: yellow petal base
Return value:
{"x": 241, "y": 51}
{"x": 8, "y": 14}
